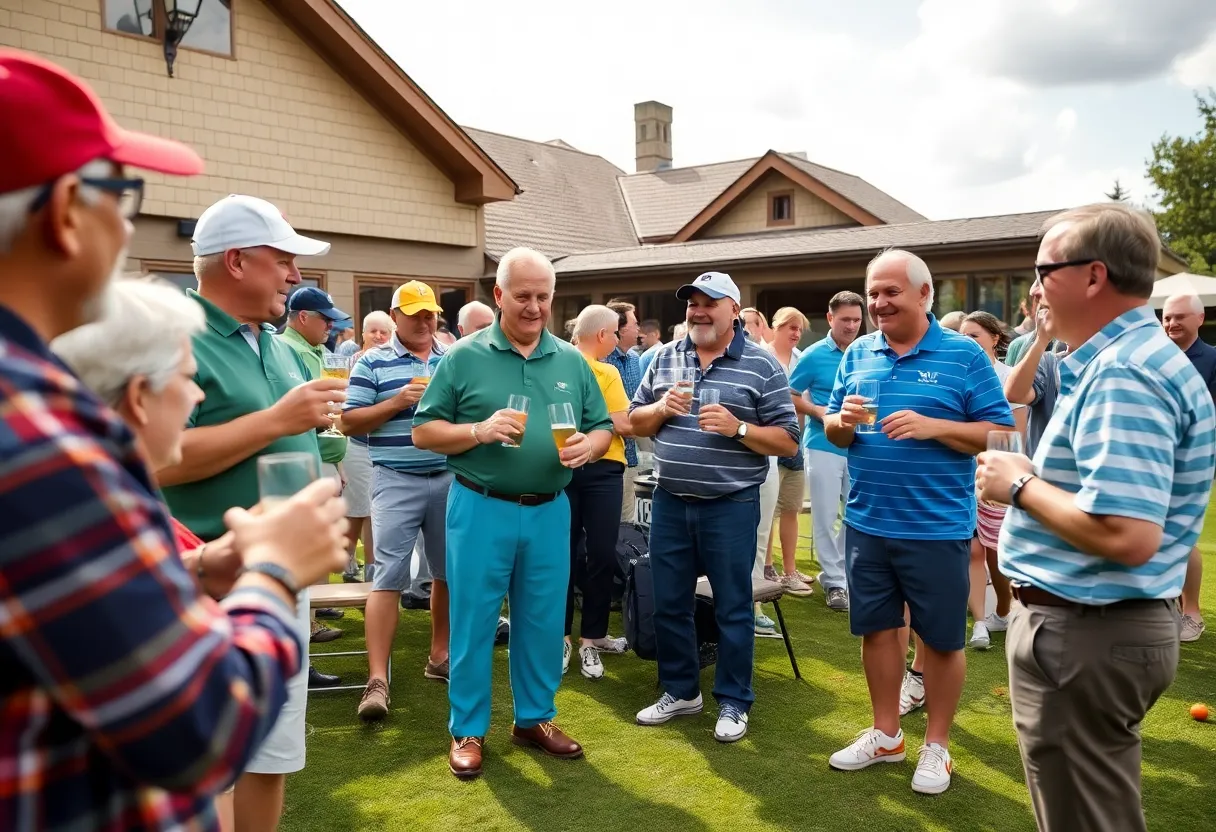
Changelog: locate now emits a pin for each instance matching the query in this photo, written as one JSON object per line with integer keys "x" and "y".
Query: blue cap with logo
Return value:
{"x": 715, "y": 284}
{"x": 312, "y": 299}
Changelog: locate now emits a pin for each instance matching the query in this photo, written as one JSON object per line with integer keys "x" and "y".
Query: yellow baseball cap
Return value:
{"x": 414, "y": 297}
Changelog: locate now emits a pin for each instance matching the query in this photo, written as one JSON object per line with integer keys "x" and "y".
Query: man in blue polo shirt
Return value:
{"x": 409, "y": 485}
{"x": 911, "y": 510}
{"x": 1101, "y": 523}
{"x": 827, "y": 465}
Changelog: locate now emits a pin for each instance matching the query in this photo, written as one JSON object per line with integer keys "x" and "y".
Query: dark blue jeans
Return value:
{"x": 715, "y": 538}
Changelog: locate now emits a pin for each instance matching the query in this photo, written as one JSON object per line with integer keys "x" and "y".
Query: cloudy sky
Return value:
{"x": 956, "y": 107}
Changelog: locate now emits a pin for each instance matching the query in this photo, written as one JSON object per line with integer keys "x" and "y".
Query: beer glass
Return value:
{"x": 283, "y": 475}
{"x": 708, "y": 396}
{"x": 518, "y": 405}
{"x": 423, "y": 374}
{"x": 335, "y": 366}
{"x": 1005, "y": 441}
{"x": 867, "y": 388}
{"x": 561, "y": 422}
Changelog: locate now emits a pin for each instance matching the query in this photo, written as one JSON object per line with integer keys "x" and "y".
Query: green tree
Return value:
{"x": 1184, "y": 171}
{"x": 1118, "y": 193}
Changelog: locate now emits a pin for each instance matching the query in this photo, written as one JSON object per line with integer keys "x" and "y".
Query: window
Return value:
{"x": 781, "y": 208}
{"x": 1019, "y": 291}
{"x": 949, "y": 295}
{"x": 990, "y": 295}
{"x": 210, "y": 31}
{"x": 374, "y": 293}
{"x": 181, "y": 279}
{"x": 641, "y": 132}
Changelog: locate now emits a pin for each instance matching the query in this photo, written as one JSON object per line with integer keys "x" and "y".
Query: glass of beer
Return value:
{"x": 518, "y": 405}
{"x": 561, "y": 422}
{"x": 423, "y": 374}
{"x": 867, "y": 388}
{"x": 282, "y": 475}
{"x": 335, "y": 366}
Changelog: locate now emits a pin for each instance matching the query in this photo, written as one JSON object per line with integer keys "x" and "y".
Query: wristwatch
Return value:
{"x": 275, "y": 573}
{"x": 741, "y": 433}
{"x": 1015, "y": 490}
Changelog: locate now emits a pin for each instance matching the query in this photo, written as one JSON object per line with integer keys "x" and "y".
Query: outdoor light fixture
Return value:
{"x": 179, "y": 15}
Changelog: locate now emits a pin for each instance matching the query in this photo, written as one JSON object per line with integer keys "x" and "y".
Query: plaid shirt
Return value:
{"x": 127, "y": 699}
{"x": 630, "y": 368}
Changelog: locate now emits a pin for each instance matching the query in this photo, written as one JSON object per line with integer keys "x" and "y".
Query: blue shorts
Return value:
{"x": 930, "y": 576}
{"x": 402, "y": 506}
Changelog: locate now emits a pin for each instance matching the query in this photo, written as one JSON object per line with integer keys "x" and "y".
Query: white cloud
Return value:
{"x": 1198, "y": 68}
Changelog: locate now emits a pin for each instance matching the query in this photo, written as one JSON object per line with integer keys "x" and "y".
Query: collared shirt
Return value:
{"x": 628, "y": 364}
{"x": 1133, "y": 435}
{"x": 815, "y": 373}
{"x": 645, "y": 359}
{"x": 333, "y": 448}
{"x": 691, "y": 462}
{"x": 616, "y": 400}
{"x": 1045, "y": 388}
{"x": 1017, "y": 348}
{"x": 237, "y": 382}
{"x": 912, "y": 489}
{"x": 477, "y": 377}
{"x": 379, "y": 374}
{"x": 1203, "y": 358}
{"x": 118, "y": 680}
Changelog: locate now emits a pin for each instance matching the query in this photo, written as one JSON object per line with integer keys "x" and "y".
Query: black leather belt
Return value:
{"x": 518, "y": 499}
{"x": 1028, "y": 595}
{"x": 438, "y": 473}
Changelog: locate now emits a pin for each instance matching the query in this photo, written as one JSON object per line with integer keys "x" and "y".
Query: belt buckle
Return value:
{"x": 529, "y": 499}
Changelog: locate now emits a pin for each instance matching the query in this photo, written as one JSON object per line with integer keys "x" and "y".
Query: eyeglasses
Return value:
{"x": 128, "y": 192}
{"x": 1045, "y": 269}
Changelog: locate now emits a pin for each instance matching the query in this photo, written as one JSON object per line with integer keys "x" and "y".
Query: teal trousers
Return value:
{"x": 500, "y": 550}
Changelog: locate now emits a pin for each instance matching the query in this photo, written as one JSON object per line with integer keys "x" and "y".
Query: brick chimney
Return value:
{"x": 652, "y": 124}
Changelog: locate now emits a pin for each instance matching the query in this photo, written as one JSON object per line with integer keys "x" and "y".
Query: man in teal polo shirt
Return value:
{"x": 259, "y": 400}
{"x": 508, "y": 521}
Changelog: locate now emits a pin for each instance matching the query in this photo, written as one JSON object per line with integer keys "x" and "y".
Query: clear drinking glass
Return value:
{"x": 1006, "y": 441}
{"x": 561, "y": 422}
{"x": 707, "y": 396}
{"x": 335, "y": 366}
{"x": 867, "y": 388}
{"x": 423, "y": 374}
{"x": 283, "y": 475}
{"x": 519, "y": 406}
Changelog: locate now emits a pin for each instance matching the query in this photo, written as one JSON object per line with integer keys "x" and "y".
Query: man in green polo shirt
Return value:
{"x": 259, "y": 400}
{"x": 508, "y": 520}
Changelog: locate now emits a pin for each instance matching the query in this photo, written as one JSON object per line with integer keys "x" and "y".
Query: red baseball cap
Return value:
{"x": 55, "y": 124}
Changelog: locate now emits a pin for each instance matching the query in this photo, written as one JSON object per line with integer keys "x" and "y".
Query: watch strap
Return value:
{"x": 275, "y": 573}
{"x": 1015, "y": 493}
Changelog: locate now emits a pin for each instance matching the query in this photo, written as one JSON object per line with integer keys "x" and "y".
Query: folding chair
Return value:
{"x": 763, "y": 592}
{"x": 342, "y": 595}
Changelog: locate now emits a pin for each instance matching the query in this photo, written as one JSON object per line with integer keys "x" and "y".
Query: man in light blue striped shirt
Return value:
{"x": 409, "y": 485}
{"x": 1102, "y": 521}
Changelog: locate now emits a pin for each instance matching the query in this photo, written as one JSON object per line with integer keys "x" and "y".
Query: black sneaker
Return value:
{"x": 330, "y": 613}
{"x": 409, "y": 602}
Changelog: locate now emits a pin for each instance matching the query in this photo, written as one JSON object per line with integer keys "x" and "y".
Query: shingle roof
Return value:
{"x": 858, "y": 191}
{"x": 662, "y": 202}
{"x": 571, "y": 200}
{"x": 719, "y": 252}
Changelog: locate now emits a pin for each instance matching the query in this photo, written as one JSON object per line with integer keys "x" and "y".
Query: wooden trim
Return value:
{"x": 159, "y": 23}
{"x": 772, "y": 196}
{"x": 178, "y": 267}
{"x": 768, "y": 163}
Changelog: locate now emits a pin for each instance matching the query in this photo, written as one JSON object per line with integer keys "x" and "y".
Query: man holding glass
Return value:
{"x": 707, "y": 504}
{"x": 1101, "y": 523}
{"x": 259, "y": 401}
{"x": 409, "y": 485}
{"x": 508, "y": 520}
{"x": 913, "y": 403}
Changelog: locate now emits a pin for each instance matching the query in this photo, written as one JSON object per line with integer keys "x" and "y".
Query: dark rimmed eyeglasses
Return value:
{"x": 129, "y": 192}
{"x": 1044, "y": 269}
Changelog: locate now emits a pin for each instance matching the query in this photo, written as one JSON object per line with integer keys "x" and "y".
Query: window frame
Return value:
{"x": 159, "y": 19}
{"x": 772, "y": 197}
{"x": 151, "y": 267}
{"x": 439, "y": 285}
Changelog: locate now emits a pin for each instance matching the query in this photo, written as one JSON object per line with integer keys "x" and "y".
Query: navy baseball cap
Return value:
{"x": 312, "y": 299}
{"x": 715, "y": 284}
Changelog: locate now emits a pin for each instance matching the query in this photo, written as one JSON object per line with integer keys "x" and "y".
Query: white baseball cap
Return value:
{"x": 715, "y": 284}
{"x": 238, "y": 221}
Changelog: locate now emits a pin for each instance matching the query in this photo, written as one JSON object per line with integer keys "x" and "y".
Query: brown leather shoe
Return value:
{"x": 549, "y": 739}
{"x": 465, "y": 757}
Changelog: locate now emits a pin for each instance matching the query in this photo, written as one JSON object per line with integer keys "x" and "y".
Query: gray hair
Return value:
{"x": 1193, "y": 304}
{"x": 1123, "y": 238}
{"x": 592, "y": 319}
{"x": 15, "y": 205}
{"x": 377, "y": 317}
{"x": 205, "y": 263}
{"x": 916, "y": 269}
{"x": 519, "y": 256}
{"x": 462, "y": 317}
{"x": 141, "y": 334}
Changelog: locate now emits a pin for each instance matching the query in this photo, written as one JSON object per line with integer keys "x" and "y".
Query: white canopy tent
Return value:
{"x": 1184, "y": 283}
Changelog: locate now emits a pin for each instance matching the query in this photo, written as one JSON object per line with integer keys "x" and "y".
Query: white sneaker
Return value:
{"x": 996, "y": 623}
{"x": 732, "y": 724}
{"x": 933, "y": 769}
{"x": 796, "y": 586}
{"x": 667, "y": 707}
{"x": 911, "y": 694}
{"x": 980, "y": 639}
{"x": 566, "y": 649}
{"x": 869, "y": 747}
{"x": 593, "y": 668}
{"x": 608, "y": 644}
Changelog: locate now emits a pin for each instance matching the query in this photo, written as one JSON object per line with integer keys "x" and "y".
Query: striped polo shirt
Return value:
{"x": 1133, "y": 435}
{"x": 378, "y": 375}
{"x": 912, "y": 489}
{"x": 691, "y": 462}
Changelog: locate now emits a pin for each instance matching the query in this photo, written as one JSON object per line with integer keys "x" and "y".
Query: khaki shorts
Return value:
{"x": 791, "y": 485}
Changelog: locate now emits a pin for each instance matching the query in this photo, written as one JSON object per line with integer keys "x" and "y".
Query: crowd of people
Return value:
{"x": 156, "y": 601}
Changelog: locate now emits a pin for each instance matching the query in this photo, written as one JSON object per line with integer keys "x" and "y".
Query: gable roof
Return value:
{"x": 810, "y": 243}
{"x": 335, "y": 36}
{"x": 570, "y": 201}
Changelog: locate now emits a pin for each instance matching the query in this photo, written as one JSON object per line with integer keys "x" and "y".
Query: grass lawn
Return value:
{"x": 676, "y": 778}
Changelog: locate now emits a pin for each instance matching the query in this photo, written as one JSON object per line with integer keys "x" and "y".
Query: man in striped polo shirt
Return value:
{"x": 409, "y": 485}
{"x": 707, "y": 504}
{"x": 1102, "y": 521}
{"x": 911, "y": 510}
